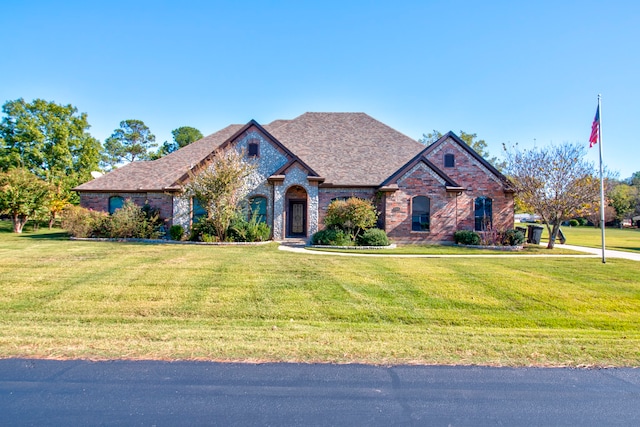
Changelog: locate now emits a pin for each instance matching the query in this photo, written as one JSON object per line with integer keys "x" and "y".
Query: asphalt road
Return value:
{"x": 153, "y": 393}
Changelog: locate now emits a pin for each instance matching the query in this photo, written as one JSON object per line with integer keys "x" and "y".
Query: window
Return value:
{"x": 420, "y": 212}
{"x": 253, "y": 149}
{"x": 483, "y": 213}
{"x": 258, "y": 207}
{"x": 115, "y": 202}
{"x": 449, "y": 161}
{"x": 197, "y": 211}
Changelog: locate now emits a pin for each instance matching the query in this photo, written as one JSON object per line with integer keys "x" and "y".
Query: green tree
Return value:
{"x": 623, "y": 198}
{"x": 471, "y": 139}
{"x": 220, "y": 187}
{"x": 22, "y": 195}
{"x": 182, "y": 137}
{"x": 555, "y": 183}
{"x": 50, "y": 140}
{"x": 130, "y": 142}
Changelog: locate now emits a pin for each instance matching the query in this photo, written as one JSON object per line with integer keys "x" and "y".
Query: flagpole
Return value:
{"x": 604, "y": 260}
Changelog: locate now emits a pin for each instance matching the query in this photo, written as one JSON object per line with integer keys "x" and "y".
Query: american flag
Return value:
{"x": 595, "y": 129}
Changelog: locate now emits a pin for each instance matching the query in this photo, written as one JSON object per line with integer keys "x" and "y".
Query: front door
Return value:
{"x": 297, "y": 215}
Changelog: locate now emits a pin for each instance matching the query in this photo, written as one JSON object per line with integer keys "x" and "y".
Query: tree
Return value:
{"x": 471, "y": 139}
{"x": 623, "y": 198}
{"x": 49, "y": 140}
{"x": 220, "y": 187}
{"x": 555, "y": 183}
{"x": 353, "y": 216}
{"x": 182, "y": 137}
{"x": 130, "y": 142}
{"x": 22, "y": 195}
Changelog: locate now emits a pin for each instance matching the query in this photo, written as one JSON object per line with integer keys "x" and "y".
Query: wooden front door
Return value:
{"x": 297, "y": 222}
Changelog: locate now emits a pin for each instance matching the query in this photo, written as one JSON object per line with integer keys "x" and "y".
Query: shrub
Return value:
{"x": 331, "y": 237}
{"x": 203, "y": 227}
{"x": 466, "y": 237}
{"x": 131, "y": 221}
{"x": 352, "y": 216}
{"x": 176, "y": 232}
{"x": 373, "y": 237}
{"x": 81, "y": 222}
{"x": 253, "y": 230}
{"x": 513, "y": 238}
{"x": 574, "y": 222}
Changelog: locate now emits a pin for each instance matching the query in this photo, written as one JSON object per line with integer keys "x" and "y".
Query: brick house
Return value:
{"x": 423, "y": 194}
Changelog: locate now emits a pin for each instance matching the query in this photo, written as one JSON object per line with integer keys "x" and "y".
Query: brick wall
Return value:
{"x": 161, "y": 201}
{"x": 478, "y": 181}
{"x": 420, "y": 181}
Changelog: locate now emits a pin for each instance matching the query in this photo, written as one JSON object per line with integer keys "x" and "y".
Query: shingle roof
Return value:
{"x": 344, "y": 148}
{"x": 162, "y": 173}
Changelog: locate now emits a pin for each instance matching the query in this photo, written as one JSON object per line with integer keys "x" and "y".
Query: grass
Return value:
{"x": 625, "y": 239}
{"x": 107, "y": 300}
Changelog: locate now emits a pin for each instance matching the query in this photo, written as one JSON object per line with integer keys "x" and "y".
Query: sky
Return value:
{"x": 513, "y": 72}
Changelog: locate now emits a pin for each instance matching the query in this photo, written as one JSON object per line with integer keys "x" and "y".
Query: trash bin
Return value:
{"x": 534, "y": 233}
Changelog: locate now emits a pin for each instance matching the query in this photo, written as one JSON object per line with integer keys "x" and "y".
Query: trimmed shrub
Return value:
{"x": 466, "y": 237}
{"x": 574, "y": 222}
{"x": 513, "y": 238}
{"x": 176, "y": 232}
{"x": 373, "y": 237}
{"x": 331, "y": 237}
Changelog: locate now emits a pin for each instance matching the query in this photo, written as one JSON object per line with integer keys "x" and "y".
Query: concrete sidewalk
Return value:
{"x": 608, "y": 253}
{"x": 587, "y": 253}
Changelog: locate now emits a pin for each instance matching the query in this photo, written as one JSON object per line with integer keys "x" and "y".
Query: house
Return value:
{"x": 423, "y": 193}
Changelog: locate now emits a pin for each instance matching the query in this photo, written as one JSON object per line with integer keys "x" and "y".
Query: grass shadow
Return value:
{"x": 53, "y": 235}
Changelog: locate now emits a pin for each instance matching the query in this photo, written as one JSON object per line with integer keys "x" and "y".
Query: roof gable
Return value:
{"x": 470, "y": 151}
{"x": 420, "y": 158}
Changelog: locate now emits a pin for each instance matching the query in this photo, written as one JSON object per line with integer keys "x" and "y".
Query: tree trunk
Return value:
{"x": 18, "y": 222}
{"x": 553, "y": 235}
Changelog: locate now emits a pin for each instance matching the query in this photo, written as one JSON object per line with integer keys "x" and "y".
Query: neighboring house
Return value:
{"x": 423, "y": 194}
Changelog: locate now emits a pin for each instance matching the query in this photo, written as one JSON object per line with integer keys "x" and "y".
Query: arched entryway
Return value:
{"x": 296, "y": 203}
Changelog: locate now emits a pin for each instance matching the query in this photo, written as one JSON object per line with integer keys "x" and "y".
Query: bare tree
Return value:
{"x": 555, "y": 182}
{"x": 220, "y": 187}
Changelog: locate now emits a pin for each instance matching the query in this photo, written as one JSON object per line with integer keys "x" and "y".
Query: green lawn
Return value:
{"x": 105, "y": 300}
{"x": 627, "y": 239}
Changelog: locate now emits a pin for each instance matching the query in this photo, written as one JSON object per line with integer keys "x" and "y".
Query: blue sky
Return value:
{"x": 510, "y": 71}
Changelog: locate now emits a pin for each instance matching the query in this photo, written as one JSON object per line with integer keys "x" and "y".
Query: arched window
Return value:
{"x": 449, "y": 161}
{"x": 258, "y": 207}
{"x": 197, "y": 211}
{"x": 420, "y": 213}
{"x": 115, "y": 202}
{"x": 483, "y": 213}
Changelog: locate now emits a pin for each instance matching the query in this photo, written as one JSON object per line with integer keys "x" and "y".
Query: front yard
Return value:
{"x": 106, "y": 300}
